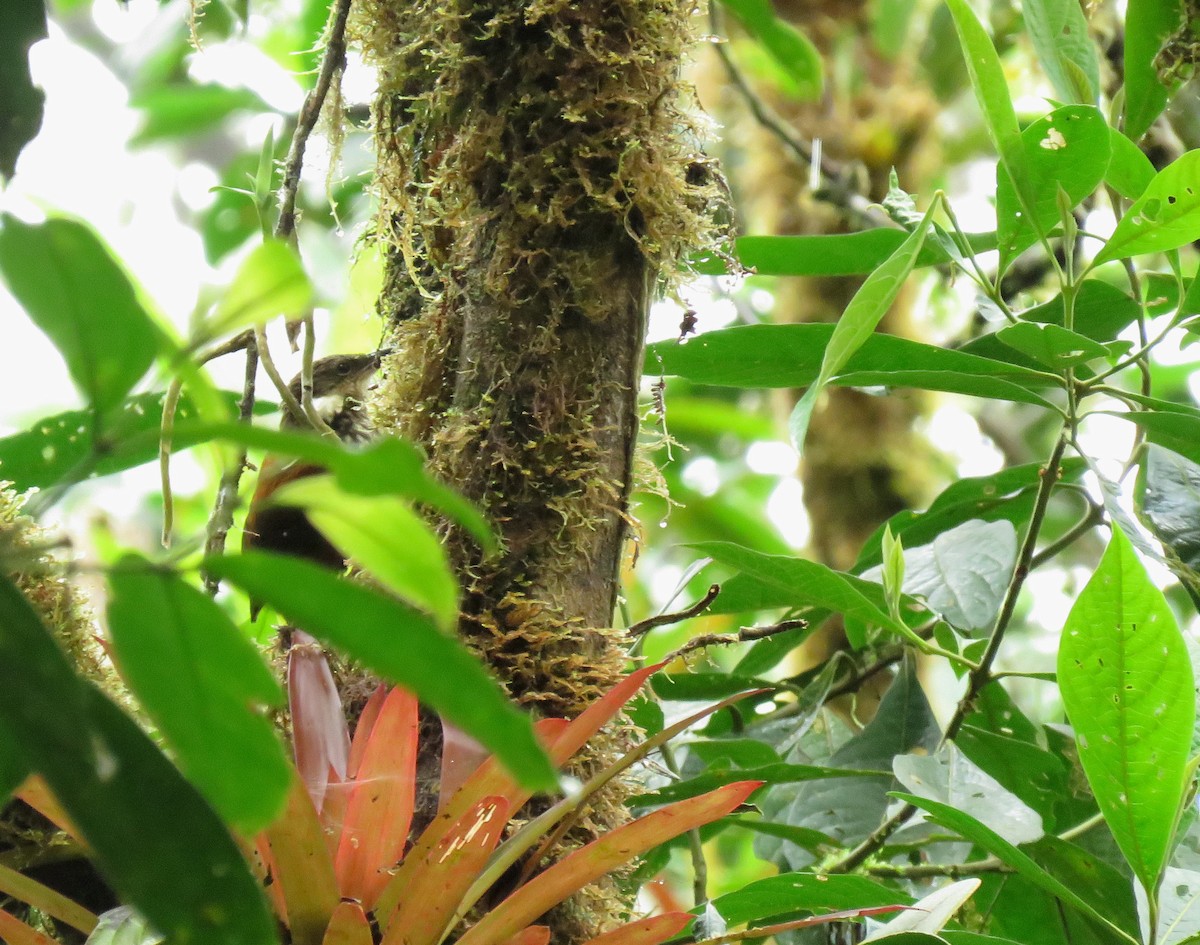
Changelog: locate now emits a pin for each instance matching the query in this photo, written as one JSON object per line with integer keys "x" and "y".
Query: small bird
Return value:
{"x": 339, "y": 388}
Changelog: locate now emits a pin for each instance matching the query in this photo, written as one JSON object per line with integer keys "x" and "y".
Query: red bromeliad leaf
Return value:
{"x": 599, "y": 857}
{"x": 264, "y": 869}
{"x": 15, "y": 932}
{"x": 461, "y": 757}
{"x": 380, "y": 810}
{"x": 432, "y": 886}
{"x": 534, "y": 935}
{"x": 348, "y": 926}
{"x": 650, "y": 931}
{"x": 319, "y": 736}
{"x": 598, "y": 714}
{"x": 303, "y": 867}
{"x": 490, "y": 780}
{"x": 36, "y": 793}
{"x": 362, "y": 732}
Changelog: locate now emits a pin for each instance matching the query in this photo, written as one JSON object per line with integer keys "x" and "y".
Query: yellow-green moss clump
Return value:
{"x": 538, "y": 180}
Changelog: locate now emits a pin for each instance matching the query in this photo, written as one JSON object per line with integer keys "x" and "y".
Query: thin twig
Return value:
{"x": 332, "y": 62}
{"x": 1093, "y": 517}
{"x": 166, "y": 432}
{"x": 745, "y": 635}
{"x": 290, "y": 403}
{"x": 929, "y": 870}
{"x": 662, "y": 620}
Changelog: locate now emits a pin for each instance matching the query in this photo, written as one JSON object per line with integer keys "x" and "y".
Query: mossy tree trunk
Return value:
{"x": 535, "y": 190}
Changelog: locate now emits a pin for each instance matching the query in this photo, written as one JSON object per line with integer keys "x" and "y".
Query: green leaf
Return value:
{"x": 1148, "y": 25}
{"x": 1166, "y": 216}
{"x": 64, "y": 447}
{"x": 1101, "y": 311}
{"x": 399, "y": 643}
{"x": 180, "y": 109}
{"x": 1127, "y": 685}
{"x": 386, "y": 537}
{"x": 76, "y": 293}
{"x": 756, "y": 356}
{"x": 714, "y": 777}
{"x": 1068, "y": 149}
{"x": 153, "y": 835}
{"x": 794, "y": 52}
{"x": 1051, "y": 345}
{"x": 859, "y": 321}
{"x": 204, "y": 685}
{"x": 270, "y": 282}
{"x": 836, "y": 254}
{"x": 950, "y": 777}
{"x": 971, "y": 829}
{"x": 803, "y": 892}
{"x": 1129, "y": 170}
{"x": 991, "y": 91}
{"x": 21, "y": 102}
{"x": 1175, "y": 426}
{"x": 1064, "y": 48}
{"x": 13, "y": 768}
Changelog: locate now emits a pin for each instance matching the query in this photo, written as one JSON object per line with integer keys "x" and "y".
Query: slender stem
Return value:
{"x": 1093, "y": 517}
{"x": 662, "y": 620}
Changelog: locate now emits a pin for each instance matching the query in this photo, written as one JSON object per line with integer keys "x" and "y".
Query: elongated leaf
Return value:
{"x": 756, "y": 356}
{"x": 790, "y": 48}
{"x": 534, "y": 935}
{"x": 375, "y": 831}
{"x": 384, "y": 536}
{"x": 1166, "y": 216}
{"x": 803, "y": 892}
{"x": 73, "y": 289}
{"x": 204, "y": 685}
{"x": 1148, "y": 24}
{"x": 438, "y": 879}
{"x": 21, "y": 102}
{"x": 1055, "y": 347}
{"x": 399, "y": 643}
{"x": 930, "y": 914}
{"x": 320, "y": 742}
{"x": 859, "y": 321}
{"x": 154, "y": 836}
{"x": 991, "y": 91}
{"x": 303, "y": 868}
{"x": 1127, "y": 685}
{"x": 650, "y": 931}
{"x": 599, "y": 857}
{"x": 44, "y": 899}
{"x": 1067, "y": 150}
{"x": 1129, "y": 170}
{"x": 968, "y": 827}
{"x": 348, "y": 926}
{"x": 1064, "y": 48}
{"x": 270, "y": 282}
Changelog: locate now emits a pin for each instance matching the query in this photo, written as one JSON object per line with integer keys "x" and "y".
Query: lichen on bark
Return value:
{"x": 539, "y": 180}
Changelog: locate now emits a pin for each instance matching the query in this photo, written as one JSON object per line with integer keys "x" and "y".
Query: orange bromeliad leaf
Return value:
{"x": 36, "y": 793}
{"x": 599, "y": 857}
{"x": 303, "y": 868}
{"x": 650, "y": 931}
{"x": 348, "y": 926}
{"x": 380, "y": 809}
{"x": 362, "y": 732}
{"x": 15, "y": 932}
{"x": 433, "y": 885}
{"x": 534, "y": 935}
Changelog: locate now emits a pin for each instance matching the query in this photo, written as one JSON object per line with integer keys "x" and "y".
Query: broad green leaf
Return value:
{"x": 179, "y": 109}
{"x": 269, "y": 283}
{"x": 790, "y": 356}
{"x": 21, "y": 102}
{"x": 154, "y": 837}
{"x": 1029, "y": 771}
{"x": 777, "y": 896}
{"x": 1101, "y": 311}
{"x": 63, "y": 448}
{"x": 859, "y": 321}
{"x": 964, "y": 571}
{"x": 204, "y": 684}
{"x": 835, "y": 254}
{"x": 952, "y": 778}
{"x": 383, "y": 535}
{"x": 1064, "y": 48}
{"x": 1051, "y": 345}
{"x": 1066, "y": 150}
{"x": 790, "y": 48}
{"x": 1129, "y": 170}
{"x": 1127, "y": 686}
{"x": 1175, "y": 426}
{"x": 399, "y": 643}
{"x": 991, "y": 91}
{"x": 1148, "y": 25}
{"x": 72, "y": 288}
{"x": 1166, "y": 216}
{"x": 971, "y": 829}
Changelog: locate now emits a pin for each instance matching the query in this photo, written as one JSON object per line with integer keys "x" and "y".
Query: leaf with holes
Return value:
{"x": 1165, "y": 217}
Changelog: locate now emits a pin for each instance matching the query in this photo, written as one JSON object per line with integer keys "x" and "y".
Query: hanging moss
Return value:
{"x": 538, "y": 181}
